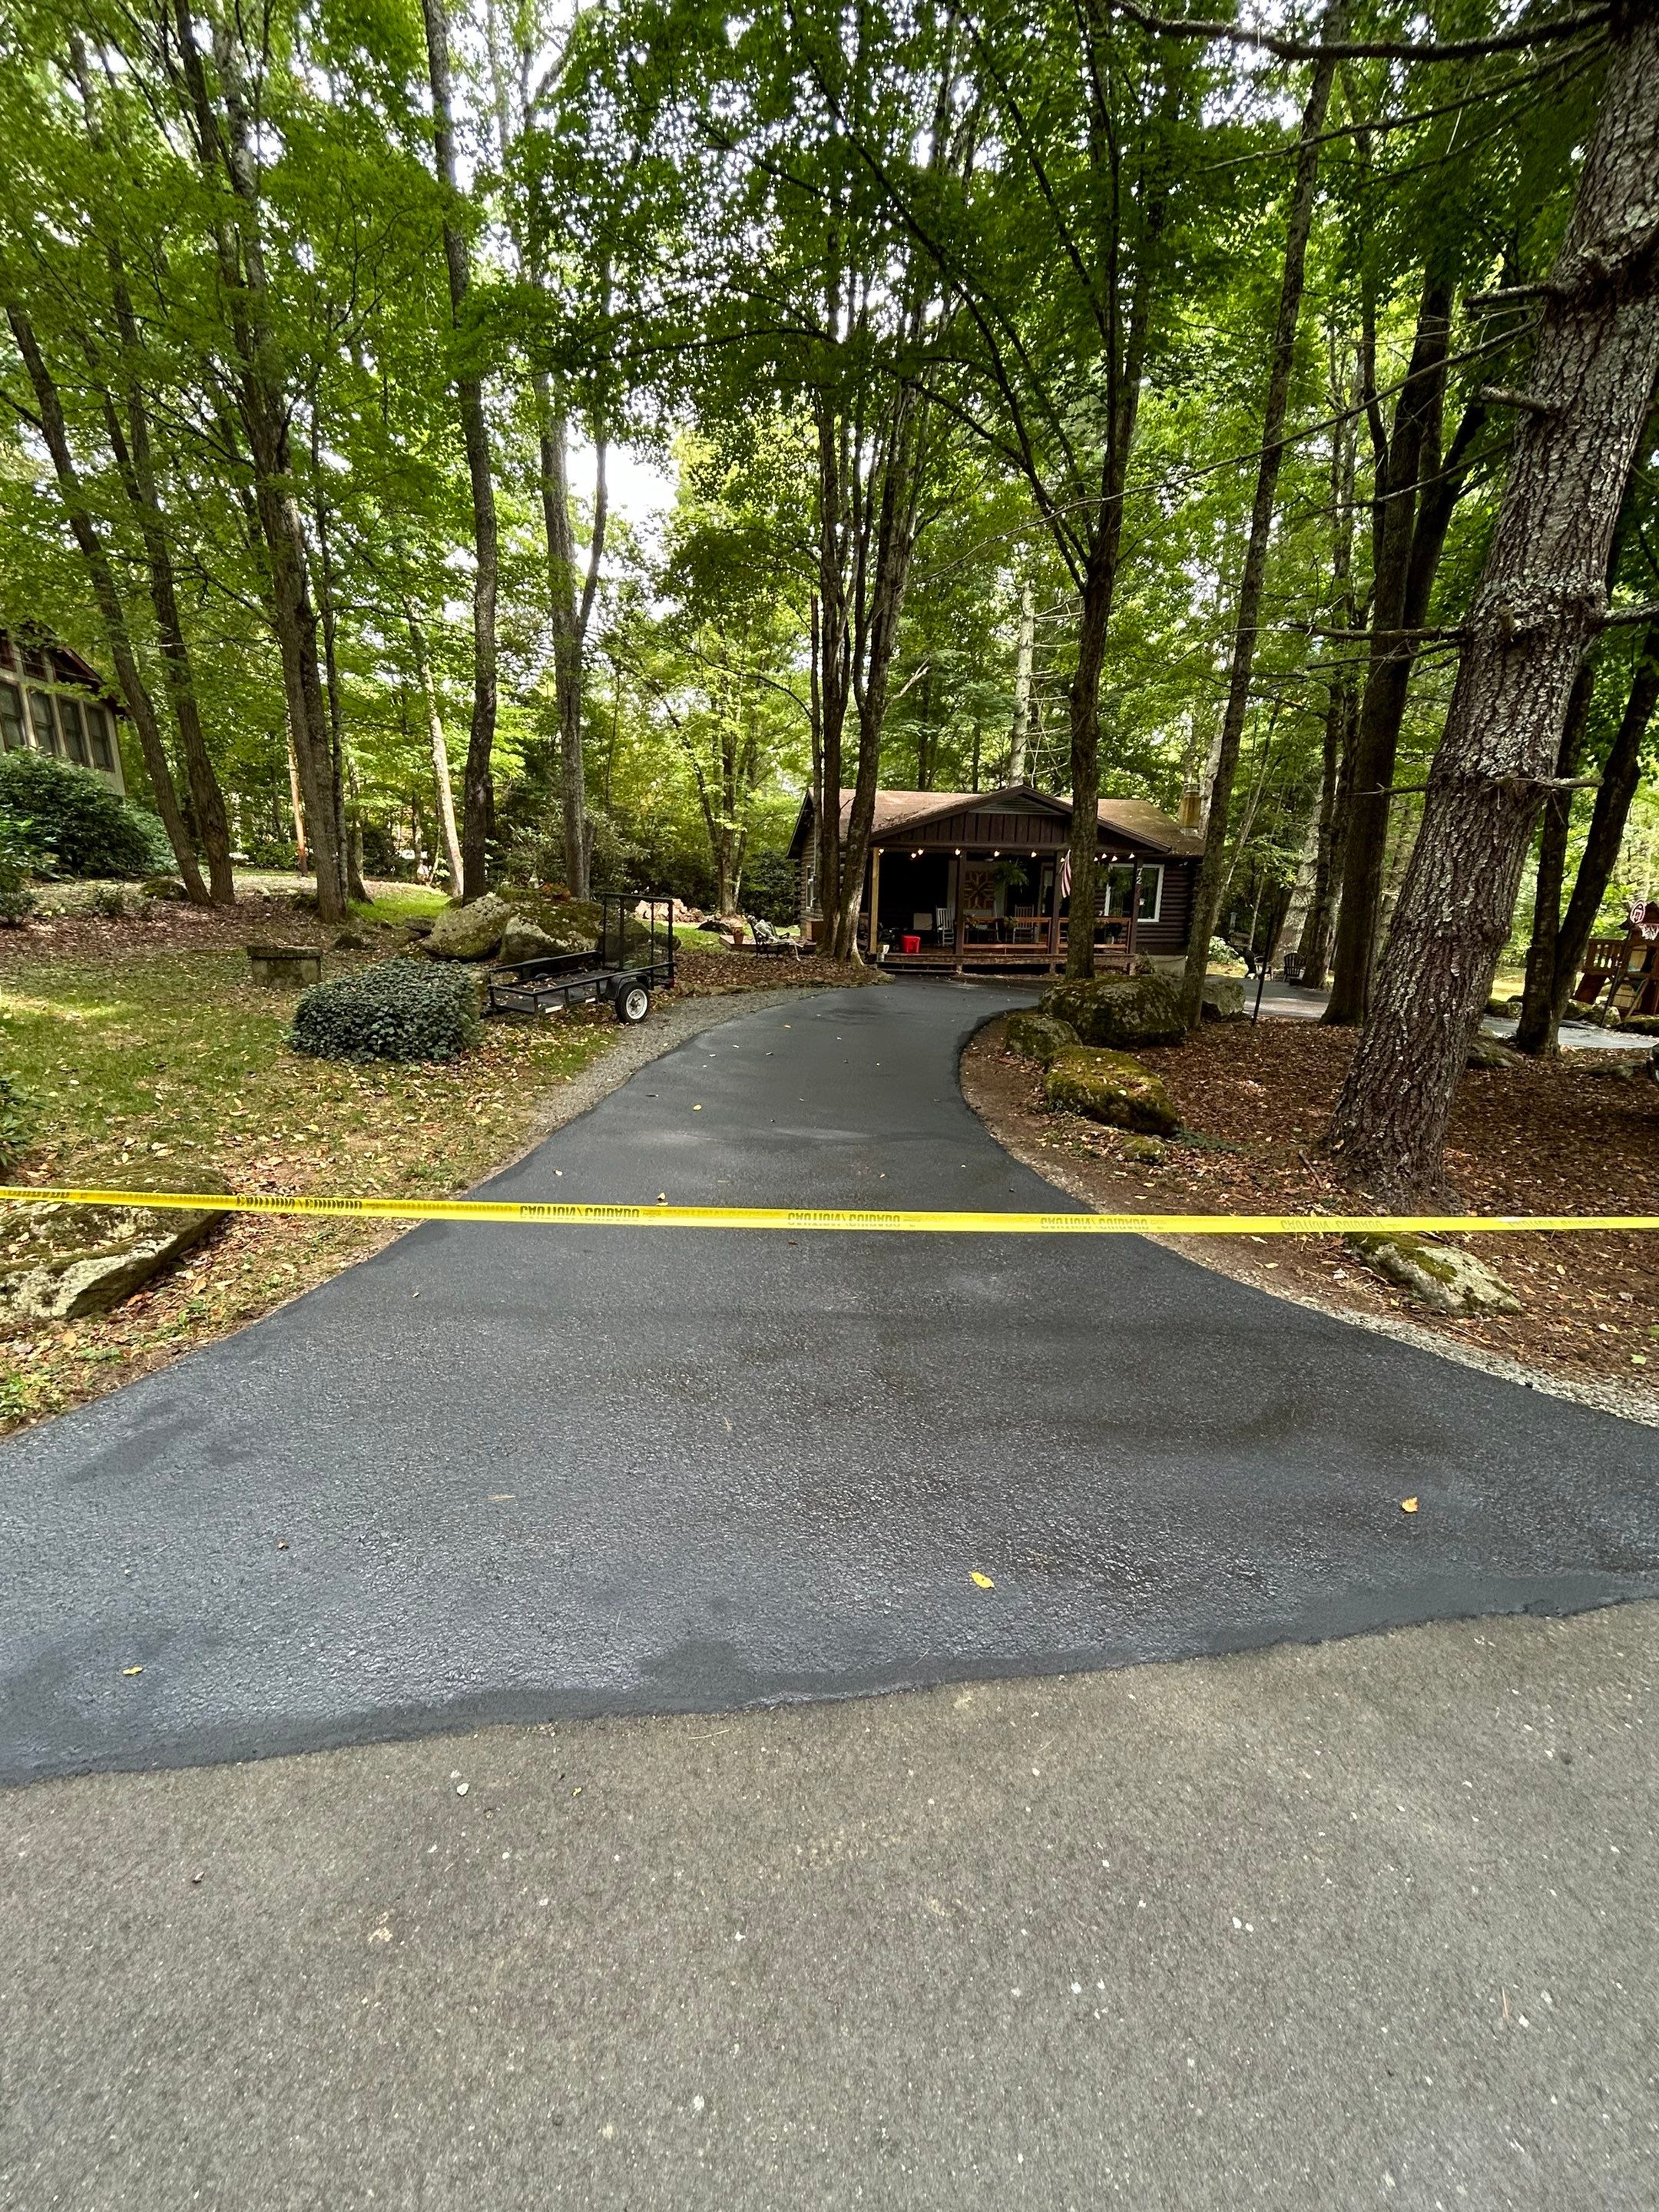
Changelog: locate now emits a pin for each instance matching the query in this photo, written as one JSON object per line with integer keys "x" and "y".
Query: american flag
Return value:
{"x": 1066, "y": 873}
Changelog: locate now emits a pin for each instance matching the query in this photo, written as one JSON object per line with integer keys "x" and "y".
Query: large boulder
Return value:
{"x": 469, "y": 932}
{"x": 1224, "y": 997}
{"x": 1037, "y": 1036}
{"x": 1112, "y": 1087}
{"x": 61, "y": 1262}
{"x": 1442, "y": 1277}
{"x": 523, "y": 940}
{"x": 1122, "y": 1011}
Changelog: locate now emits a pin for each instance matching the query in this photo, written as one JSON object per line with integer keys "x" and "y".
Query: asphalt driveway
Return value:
{"x": 531, "y": 1473}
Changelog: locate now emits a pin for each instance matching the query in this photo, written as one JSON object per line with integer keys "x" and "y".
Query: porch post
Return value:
{"x": 1054, "y": 918}
{"x": 960, "y": 918}
{"x": 875, "y": 902}
{"x": 1135, "y": 914}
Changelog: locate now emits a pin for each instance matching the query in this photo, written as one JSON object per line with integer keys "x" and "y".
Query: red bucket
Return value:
{"x": 909, "y": 944}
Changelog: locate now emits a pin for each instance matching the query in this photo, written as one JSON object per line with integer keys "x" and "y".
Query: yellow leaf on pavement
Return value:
{"x": 981, "y": 1581}
{"x": 1408, "y": 1505}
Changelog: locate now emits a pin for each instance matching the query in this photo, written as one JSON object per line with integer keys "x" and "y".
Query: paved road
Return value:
{"x": 519, "y": 1474}
{"x": 1292, "y": 1003}
{"x": 1367, "y": 1924}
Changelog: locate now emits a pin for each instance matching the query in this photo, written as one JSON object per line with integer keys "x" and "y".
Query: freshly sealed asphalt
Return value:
{"x": 526, "y": 1473}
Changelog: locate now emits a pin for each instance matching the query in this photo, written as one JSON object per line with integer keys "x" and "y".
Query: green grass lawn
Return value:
{"x": 146, "y": 1067}
{"x": 401, "y": 902}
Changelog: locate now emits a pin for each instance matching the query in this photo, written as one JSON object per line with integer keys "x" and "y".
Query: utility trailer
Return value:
{"x": 632, "y": 956}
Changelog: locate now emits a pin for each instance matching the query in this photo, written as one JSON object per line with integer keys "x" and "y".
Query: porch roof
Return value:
{"x": 899, "y": 814}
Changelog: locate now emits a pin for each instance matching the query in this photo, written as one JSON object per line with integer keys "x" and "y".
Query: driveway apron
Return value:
{"x": 517, "y": 1474}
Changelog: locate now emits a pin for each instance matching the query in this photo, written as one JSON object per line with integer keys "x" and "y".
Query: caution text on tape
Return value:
{"x": 900, "y": 1219}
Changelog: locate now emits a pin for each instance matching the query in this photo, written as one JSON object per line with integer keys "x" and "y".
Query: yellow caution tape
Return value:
{"x": 662, "y": 1216}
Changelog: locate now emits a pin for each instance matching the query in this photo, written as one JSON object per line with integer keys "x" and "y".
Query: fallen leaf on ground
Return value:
{"x": 981, "y": 1581}
{"x": 132, "y": 1670}
{"x": 1408, "y": 1505}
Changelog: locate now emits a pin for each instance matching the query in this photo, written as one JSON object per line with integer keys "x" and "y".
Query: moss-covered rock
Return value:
{"x": 1144, "y": 1152}
{"x": 1442, "y": 1277}
{"x": 1112, "y": 1087}
{"x": 60, "y": 1262}
{"x": 469, "y": 932}
{"x": 1037, "y": 1036}
{"x": 1224, "y": 997}
{"x": 525, "y": 940}
{"x": 1121, "y": 1011}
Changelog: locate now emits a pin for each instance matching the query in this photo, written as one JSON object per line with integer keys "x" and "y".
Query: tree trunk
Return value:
{"x": 1315, "y": 943}
{"x": 226, "y": 148}
{"x": 1083, "y": 705}
{"x": 1023, "y": 654}
{"x": 1535, "y": 1031}
{"x": 134, "y": 459}
{"x": 875, "y": 636}
{"x": 340, "y": 768}
{"x": 1411, "y": 454}
{"x": 107, "y": 597}
{"x": 296, "y": 807}
{"x": 571, "y": 605}
{"x": 434, "y": 730}
{"x": 1208, "y": 890}
{"x": 1542, "y": 599}
{"x": 1094, "y": 619}
{"x": 1621, "y": 774}
{"x": 479, "y": 799}
{"x": 834, "y": 666}
{"x": 1336, "y": 767}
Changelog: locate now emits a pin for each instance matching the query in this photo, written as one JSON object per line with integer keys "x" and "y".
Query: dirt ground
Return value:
{"x": 1574, "y": 1135}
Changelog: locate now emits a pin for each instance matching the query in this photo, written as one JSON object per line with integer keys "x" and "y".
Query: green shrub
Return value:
{"x": 400, "y": 1010}
{"x": 74, "y": 825}
{"x": 17, "y": 1121}
{"x": 16, "y": 899}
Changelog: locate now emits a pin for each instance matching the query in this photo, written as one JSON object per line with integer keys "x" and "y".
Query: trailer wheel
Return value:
{"x": 633, "y": 1003}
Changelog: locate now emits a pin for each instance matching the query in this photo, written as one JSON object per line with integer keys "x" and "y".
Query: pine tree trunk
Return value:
{"x": 107, "y": 597}
{"x": 1209, "y": 889}
{"x": 1542, "y": 599}
{"x": 1535, "y": 1031}
{"x": 478, "y": 790}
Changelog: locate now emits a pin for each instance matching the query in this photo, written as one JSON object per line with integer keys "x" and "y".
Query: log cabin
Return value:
{"x": 978, "y": 881}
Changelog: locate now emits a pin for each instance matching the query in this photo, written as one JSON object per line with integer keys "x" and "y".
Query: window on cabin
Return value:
{"x": 13, "y": 735}
{"x": 98, "y": 737}
{"x": 40, "y": 718}
{"x": 1120, "y": 880}
{"x": 74, "y": 729}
